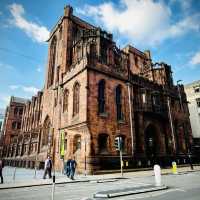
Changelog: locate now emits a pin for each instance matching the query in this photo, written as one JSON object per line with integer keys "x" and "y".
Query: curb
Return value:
{"x": 43, "y": 184}
{"x": 99, "y": 172}
{"x": 131, "y": 192}
{"x": 100, "y": 180}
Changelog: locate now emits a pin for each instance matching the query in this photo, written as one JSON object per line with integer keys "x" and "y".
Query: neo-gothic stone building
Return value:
{"x": 93, "y": 93}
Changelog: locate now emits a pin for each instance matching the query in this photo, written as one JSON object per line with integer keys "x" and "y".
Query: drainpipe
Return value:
{"x": 130, "y": 117}
{"x": 171, "y": 123}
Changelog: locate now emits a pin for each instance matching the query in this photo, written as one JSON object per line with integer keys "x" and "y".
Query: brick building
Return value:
{"x": 95, "y": 92}
{"x": 193, "y": 95}
{"x": 12, "y": 125}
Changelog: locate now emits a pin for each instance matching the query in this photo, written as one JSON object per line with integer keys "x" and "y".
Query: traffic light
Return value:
{"x": 118, "y": 143}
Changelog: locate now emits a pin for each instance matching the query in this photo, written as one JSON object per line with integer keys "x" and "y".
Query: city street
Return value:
{"x": 183, "y": 186}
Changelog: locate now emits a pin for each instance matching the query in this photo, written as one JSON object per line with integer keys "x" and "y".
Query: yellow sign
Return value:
{"x": 62, "y": 143}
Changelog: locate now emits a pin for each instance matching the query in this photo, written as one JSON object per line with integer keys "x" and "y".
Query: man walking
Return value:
{"x": 68, "y": 167}
{"x": 1, "y": 169}
{"x": 47, "y": 167}
{"x": 72, "y": 168}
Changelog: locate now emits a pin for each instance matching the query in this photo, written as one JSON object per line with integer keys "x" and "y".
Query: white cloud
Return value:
{"x": 3, "y": 65}
{"x": 33, "y": 30}
{"x": 195, "y": 59}
{"x": 1, "y": 13}
{"x": 29, "y": 89}
{"x": 145, "y": 22}
{"x": 14, "y": 87}
{"x": 187, "y": 24}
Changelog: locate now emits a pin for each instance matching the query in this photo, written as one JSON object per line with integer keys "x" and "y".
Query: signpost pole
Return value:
{"x": 121, "y": 162}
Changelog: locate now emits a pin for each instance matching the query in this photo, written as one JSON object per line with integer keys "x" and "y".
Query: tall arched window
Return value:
{"x": 101, "y": 96}
{"x": 46, "y": 131}
{"x": 20, "y": 111}
{"x": 76, "y": 96}
{"x": 118, "y": 98}
{"x": 52, "y": 59}
{"x": 15, "y": 111}
{"x": 93, "y": 52}
{"x": 14, "y": 125}
{"x": 65, "y": 100}
{"x": 77, "y": 142}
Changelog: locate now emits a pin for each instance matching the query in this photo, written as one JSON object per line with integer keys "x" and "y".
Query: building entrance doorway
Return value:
{"x": 151, "y": 141}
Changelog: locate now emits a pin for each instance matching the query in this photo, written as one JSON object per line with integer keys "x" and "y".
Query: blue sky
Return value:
{"x": 169, "y": 28}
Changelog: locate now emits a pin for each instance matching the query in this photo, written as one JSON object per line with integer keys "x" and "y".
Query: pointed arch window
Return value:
{"x": 76, "y": 96}
{"x": 15, "y": 111}
{"x": 101, "y": 96}
{"x": 14, "y": 125}
{"x": 52, "y": 59}
{"x": 77, "y": 143}
{"x": 46, "y": 132}
{"x": 93, "y": 52}
{"x": 118, "y": 98}
{"x": 65, "y": 100}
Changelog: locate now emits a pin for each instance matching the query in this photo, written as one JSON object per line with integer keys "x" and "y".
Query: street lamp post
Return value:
{"x": 186, "y": 138}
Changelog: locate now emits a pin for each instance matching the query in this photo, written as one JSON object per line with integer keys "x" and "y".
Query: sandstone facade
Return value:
{"x": 95, "y": 92}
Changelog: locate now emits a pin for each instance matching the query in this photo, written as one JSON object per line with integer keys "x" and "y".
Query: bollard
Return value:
{"x": 174, "y": 168}
{"x": 35, "y": 172}
{"x": 14, "y": 174}
{"x": 53, "y": 187}
{"x": 157, "y": 173}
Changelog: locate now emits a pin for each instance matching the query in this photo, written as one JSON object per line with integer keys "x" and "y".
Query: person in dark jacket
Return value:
{"x": 68, "y": 167}
{"x": 72, "y": 168}
{"x": 1, "y": 169}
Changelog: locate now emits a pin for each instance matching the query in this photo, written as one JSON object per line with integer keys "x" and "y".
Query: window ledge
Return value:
{"x": 104, "y": 114}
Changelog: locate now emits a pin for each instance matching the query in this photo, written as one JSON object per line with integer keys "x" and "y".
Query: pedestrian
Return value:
{"x": 1, "y": 169}
{"x": 68, "y": 167}
{"x": 47, "y": 167}
{"x": 72, "y": 168}
{"x": 190, "y": 161}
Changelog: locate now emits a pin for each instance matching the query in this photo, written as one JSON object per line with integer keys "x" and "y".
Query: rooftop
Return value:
{"x": 193, "y": 84}
{"x": 18, "y": 100}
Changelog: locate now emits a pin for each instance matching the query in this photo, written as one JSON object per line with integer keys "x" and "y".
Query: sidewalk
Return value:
{"x": 25, "y": 177}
